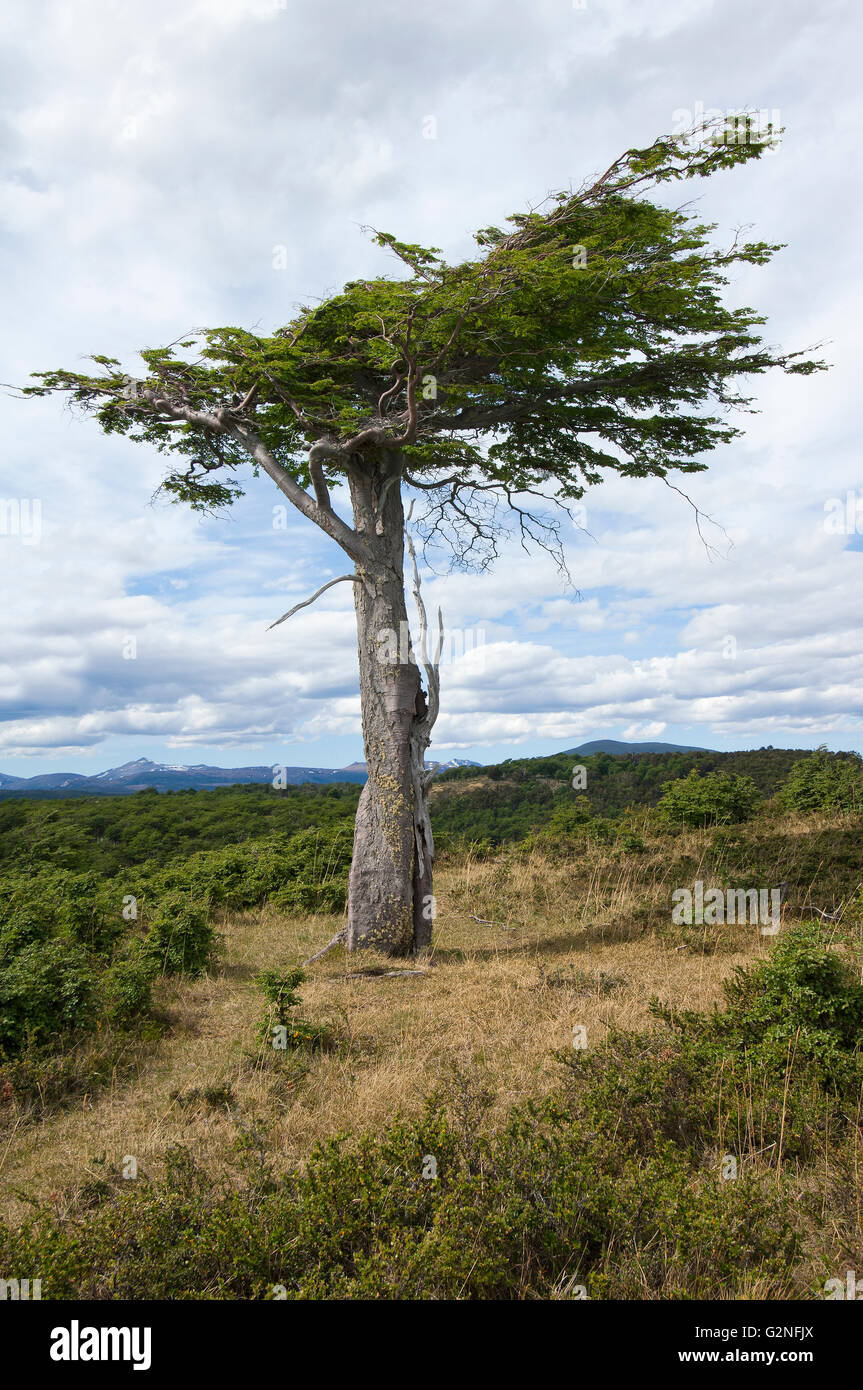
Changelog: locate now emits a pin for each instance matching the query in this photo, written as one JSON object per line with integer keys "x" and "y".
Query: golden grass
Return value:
{"x": 499, "y": 990}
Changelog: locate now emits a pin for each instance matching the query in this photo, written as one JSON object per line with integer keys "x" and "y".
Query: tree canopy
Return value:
{"x": 591, "y": 335}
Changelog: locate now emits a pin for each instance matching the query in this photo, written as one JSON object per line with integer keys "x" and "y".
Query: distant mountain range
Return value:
{"x": 619, "y": 750}
{"x": 430, "y": 763}
{"x": 142, "y": 773}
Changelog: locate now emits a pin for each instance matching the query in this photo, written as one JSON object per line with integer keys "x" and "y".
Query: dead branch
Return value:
{"x": 422, "y": 726}
{"x": 486, "y": 922}
{"x": 338, "y": 940}
{"x": 354, "y": 578}
{"x": 382, "y": 974}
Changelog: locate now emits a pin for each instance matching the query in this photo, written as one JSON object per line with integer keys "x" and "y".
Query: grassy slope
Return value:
{"x": 549, "y": 922}
{"x": 584, "y": 940}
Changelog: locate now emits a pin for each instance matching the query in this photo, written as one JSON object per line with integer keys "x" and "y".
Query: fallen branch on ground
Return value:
{"x": 487, "y": 922}
{"x": 382, "y": 974}
{"x": 337, "y": 940}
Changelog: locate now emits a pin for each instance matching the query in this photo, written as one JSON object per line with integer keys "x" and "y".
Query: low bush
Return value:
{"x": 799, "y": 1010}
{"x": 180, "y": 938}
{"x": 282, "y": 1028}
{"x": 316, "y": 867}
{"x": 714, "y": 799}
{"x": 46, "y": 990}
{"x": 125, "y": 986}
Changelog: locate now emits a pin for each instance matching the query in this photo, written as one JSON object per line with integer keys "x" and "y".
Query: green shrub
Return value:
{"x": 282, "y": 1028}
{"x": 23, "y": 925}
{"x": 46, "y": 990}
{"x": 715, "y": 799}
{"x": 570, "y": 827}
{"x": 526, "y": 1211}
{"x": 86, "y": 909}
{"x": 316, "y": 865}
{"x": 125, "y": 986}
{"x": 307, "y": 872}
{"x": 612, "y": 1184}
{"x": 825, "y": 781}
{"x": 781, "y": 1062}
{"x": 181, "y": 937}
{"x": 804, "y": 999}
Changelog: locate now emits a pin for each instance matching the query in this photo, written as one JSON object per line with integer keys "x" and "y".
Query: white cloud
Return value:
{"x": 144, "y": 186}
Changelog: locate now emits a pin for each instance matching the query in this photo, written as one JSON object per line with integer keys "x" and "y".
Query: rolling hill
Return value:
{"x": 621, "y": 750}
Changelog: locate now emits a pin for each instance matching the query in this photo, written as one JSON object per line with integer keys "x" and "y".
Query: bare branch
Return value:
{"x": 430, "y": 666}
{"x": 710, "y": 550}
{"x": 338, "y": 940}
{"x": 431, "y": 487}
{"x": 354, "y": 578}
{"x": 424, "y": 723}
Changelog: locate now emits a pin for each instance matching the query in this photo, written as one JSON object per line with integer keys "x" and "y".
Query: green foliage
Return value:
{"x": 547, "y": 1202}
{"x": 714, "y": 799}
{"x": 282, "y": 1028}
{"x": 569, "y": 827}
{"x": 575, "y": 366}
{"x": 803, "y": 1005}
{"x": 795, "y": 1022}
{"x": 280, "y": 990}
{"x": 767, "y": 1077}
{"x": 125, "y": 986}
{"x": 514, "y": 799}
{"x": 180, "y": 938}
{"x": 46, "y": 991}
{"x": 45, "y": 903}
{"x": 306, "y": 872}
{"x": 316, "y": 866}
{"x": 72, "y": 961}
{"x": 23, "y": 924}
{"x": 825, "y": 781}
{"x": 107, "y": 834}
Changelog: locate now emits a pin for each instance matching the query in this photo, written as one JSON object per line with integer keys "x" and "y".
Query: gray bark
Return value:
{"x": 390, "y": 885}
{"x": 390, "y": 903}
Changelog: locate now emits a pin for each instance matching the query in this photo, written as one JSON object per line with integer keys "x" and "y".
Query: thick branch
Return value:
{"x": 319, "y": 483}
{"x": 323, "y": 517}
{"x": 319, "y": 511}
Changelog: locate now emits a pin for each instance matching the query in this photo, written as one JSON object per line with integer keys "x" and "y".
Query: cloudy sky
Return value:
{"x": 160, "y": 158}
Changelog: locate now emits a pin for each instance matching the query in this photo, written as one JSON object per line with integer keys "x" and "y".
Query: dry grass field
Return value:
{"x": 554, "y": 947}
{"x": 582, "y": 1141}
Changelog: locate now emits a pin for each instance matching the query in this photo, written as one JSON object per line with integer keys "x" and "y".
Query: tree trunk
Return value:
{"x": 390, "y": 904}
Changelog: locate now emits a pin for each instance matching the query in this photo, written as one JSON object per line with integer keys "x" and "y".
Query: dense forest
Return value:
{"x": 494, "y": 804}
{"x": 106, "y": 834}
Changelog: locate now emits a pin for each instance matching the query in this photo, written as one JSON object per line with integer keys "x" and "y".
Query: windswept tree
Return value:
{"x": 589, "y": 335}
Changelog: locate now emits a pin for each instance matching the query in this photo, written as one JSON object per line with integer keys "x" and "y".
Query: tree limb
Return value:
{"x": 354, "y": 578}
{"x": 323, "y": 517}
{"x": 319, "y": 482}
{"x": 424, "y": 723}
{"x": 338, "y": 940}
